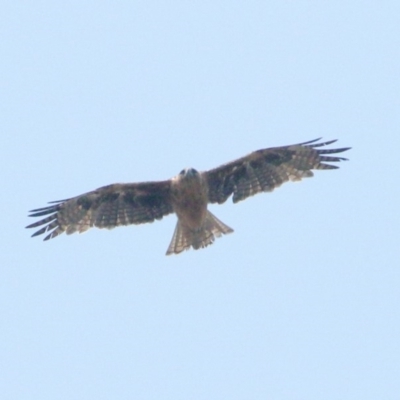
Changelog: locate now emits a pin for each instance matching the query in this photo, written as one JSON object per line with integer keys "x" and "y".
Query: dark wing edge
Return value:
{"x": 266, "y": 169}
{"x": 107, "y": 207}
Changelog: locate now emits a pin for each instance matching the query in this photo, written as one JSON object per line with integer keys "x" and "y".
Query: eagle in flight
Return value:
{"x": 187, "y": 195}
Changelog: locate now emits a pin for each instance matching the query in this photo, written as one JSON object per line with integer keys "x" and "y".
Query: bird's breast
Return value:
{"x": 189, "y": 199}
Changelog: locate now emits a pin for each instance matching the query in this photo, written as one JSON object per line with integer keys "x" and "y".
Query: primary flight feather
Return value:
{"x": 187, "y": 195}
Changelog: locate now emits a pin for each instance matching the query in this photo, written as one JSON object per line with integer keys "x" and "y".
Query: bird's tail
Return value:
{"x": 184, "y": 238}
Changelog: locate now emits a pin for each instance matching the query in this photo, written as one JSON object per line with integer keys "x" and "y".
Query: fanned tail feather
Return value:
{"x": 185, "y": 238}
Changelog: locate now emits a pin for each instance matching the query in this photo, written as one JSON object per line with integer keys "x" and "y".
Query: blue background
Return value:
{"x": 302, "y": 301}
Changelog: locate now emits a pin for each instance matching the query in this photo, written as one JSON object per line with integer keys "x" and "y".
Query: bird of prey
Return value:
{"x": 187, "y": 195}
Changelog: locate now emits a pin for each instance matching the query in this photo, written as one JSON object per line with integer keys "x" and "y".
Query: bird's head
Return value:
{"x": 188, "y": 173}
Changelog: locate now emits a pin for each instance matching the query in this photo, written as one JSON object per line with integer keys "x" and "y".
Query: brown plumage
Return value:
{"x": 186, "y": 195}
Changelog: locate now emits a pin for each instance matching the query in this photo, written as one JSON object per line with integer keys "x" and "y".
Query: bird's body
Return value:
{"x": 189, "y": 198}
{"x": 196, "y": 226}
{"x": 187, "y": 195}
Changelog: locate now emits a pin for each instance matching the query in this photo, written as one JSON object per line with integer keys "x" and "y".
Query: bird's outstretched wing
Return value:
{"x": 266, "y": 169}
{"x": 106, "y": 207}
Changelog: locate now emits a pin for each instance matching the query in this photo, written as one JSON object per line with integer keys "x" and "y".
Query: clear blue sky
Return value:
{"x": 302, "y": 301}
